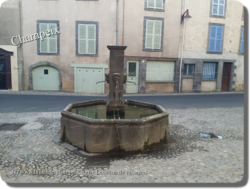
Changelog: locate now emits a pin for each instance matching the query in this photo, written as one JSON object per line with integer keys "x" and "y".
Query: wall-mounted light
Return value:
{"x": 185, "y": 15}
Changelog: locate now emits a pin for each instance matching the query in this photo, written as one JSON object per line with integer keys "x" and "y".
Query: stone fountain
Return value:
{"x": 115, "y": 124}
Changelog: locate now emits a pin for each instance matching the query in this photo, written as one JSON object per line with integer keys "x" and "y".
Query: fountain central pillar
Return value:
{"x": 116, "y": 78}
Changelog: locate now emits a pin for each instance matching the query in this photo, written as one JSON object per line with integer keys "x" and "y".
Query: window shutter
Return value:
{"x": 157, "y": 34}
{"x": 52, "y": 40}
{"x": 150, "y": 3}
{"x": 219, "y": 37}
{"x": 212, "y": 40}
{"x": 218, "y": 7}
{"x": 242, "y": 41}
{"x": 91, "y": 39}
{"x": 159, "y": 4}
{"x": 149, "y": 34}
{"x": 43, "y": 44}
{"x": 82, "y": 39}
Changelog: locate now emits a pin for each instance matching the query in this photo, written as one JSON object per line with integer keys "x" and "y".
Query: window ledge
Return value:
{"x": 159, "y": 81}
{"x": 209, "y": 79}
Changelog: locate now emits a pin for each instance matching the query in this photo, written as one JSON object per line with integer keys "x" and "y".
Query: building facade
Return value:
{"x": 63, "y": 44}
{"x": 213, "y": 47}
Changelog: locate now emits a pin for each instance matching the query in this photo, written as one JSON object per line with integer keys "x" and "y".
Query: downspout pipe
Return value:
{"x": 182, "y": 44}
{"x": 117, "y": 21}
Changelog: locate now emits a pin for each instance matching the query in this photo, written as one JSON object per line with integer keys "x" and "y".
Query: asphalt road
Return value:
{"x": 49, "y": 103}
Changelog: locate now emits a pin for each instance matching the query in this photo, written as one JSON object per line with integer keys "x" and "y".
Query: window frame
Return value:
{"x": 208, "y": 38}
{"x": 144, "y": 33}
{"x": 185, "y": 71}
{"x": 216, "y": 71}
{"x": 154, "y": 9}
{"x": 217, "y": 16}
{"x": 97, "y": 38}
{"x": 39, "y": 41}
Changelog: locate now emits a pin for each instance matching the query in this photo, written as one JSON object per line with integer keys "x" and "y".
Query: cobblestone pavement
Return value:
{"x": 28, "y": 155}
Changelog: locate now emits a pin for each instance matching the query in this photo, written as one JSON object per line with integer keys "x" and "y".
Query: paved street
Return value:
{"x": 52, "y": 103}
{"x": 30, "y": 155}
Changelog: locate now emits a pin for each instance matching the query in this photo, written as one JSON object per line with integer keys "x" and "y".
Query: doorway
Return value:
{"x": 2, "y": 74}
{"x": 226, "y": 77}
{"x": 132, "y": 76}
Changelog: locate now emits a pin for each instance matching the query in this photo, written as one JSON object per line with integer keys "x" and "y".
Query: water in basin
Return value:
{"x": 99, "y": 112}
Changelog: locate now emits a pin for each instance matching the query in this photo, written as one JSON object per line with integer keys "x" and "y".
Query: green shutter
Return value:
{"x": 43, "y": 44}
{"x": 151, "y": 4}
{"x": 52, "y": 40}
{"x": 82, "y": 39}
{"x": 149, "y": 34}
{"x": 86, "y": 39}
{"x": 157, "y": 34}
{"x": 91, "y": 39}
{"x": 159, "y": 4}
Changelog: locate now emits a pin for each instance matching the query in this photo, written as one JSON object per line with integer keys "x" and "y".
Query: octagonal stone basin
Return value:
{"x": 93, "y": 132}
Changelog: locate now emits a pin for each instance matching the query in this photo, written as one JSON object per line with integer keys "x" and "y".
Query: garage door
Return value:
{"x": 86, "y": 79}
{"x": 45, "y": 78}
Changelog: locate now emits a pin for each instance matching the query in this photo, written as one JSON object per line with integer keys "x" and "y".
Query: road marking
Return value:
{"x": 30, "y": 108}
{"x": 8, "y": 108}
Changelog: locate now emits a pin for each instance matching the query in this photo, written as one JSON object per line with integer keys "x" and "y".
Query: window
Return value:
{"x": 242, "y": 41}
{"x": 153, "y": 34}
{"x": 46, "y": 72}
{"x": 188, "y": 69}
{"x": 209, "y": 70}
{"x": 218, "y": 8}
{"x": 86, "y": 39}
{"x": 50, "y": 44}
{"x": 160, "y": 71}
{"x": 155, "y": 5}
{"x": 215, "y": 38}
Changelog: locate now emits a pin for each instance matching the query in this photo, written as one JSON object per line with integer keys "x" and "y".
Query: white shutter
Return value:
{"x": 157, "y": 34}
{"x": 91, "y": 39}
{"x": 43, "y": 44}
{"x": 159, "y": 4}
{"x": 52, "y": 40}
{"x": 149, "y": 34}
{"x": 82, "y": 39}
{"x": 151, "y": 4}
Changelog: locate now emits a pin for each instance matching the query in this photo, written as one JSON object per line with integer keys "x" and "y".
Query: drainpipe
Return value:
{"x": 21, "y": 46}
{"x": 182, "y": 44}
{"x": 117, "y": 21}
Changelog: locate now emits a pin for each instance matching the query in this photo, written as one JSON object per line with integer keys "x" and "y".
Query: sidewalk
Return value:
{"x": 29, "y": 154}
{"x": 58, "y": 93}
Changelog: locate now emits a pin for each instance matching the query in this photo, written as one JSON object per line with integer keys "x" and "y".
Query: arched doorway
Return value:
{"x": 45, "y": 76}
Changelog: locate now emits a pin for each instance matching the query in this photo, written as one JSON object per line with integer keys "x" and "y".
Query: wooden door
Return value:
{"x": 226, "y": 77}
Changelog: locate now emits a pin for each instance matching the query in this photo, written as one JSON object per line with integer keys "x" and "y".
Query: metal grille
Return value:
{"x": 53, "y": 163}
{"x": 11, "y": 126}
{"x": 132, "y": 69}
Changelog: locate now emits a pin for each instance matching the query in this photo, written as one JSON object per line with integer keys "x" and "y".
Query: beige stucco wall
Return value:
{"x": 187, "y": 84}
{"x": 208, "y": 86}
{"x": 68, "y": 13}
{"x": 156, "y": 87}
{"x": 14, "y": 65}
{"x": 197, "y": 31}
{"x": 133, "y": 28}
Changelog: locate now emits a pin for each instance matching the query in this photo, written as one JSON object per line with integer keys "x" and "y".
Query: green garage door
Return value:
{"x": 45, "y": 78}
{"x": 86, "y": 79}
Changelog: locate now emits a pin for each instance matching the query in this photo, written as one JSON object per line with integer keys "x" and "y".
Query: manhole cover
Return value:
{"x": 11, "y": 126}
{"x": 53, "y": 163}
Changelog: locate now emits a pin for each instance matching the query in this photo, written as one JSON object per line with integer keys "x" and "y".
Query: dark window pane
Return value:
{"x": 131, "y": 69}
{"x": 46, "y": 72}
